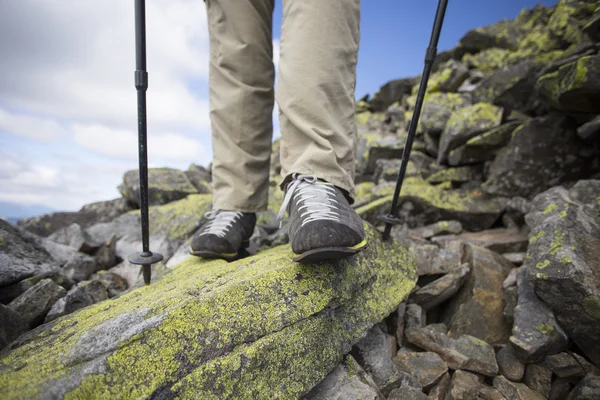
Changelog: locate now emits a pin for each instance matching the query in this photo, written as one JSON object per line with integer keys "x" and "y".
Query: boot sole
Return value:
{"x": 329, "y": 253}
{"x": 242, "y": 253}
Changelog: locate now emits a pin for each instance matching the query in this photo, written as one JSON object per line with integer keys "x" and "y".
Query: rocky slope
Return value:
{"x": 500, "y": 212}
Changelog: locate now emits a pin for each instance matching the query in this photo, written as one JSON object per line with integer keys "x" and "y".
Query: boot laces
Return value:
{"x": 220, "y": 222}
{"x": 316, "y": 199}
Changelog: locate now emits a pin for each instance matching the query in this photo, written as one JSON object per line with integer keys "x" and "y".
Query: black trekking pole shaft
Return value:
{"x": 146, "y": 258}
{"x": 412, "y": 129}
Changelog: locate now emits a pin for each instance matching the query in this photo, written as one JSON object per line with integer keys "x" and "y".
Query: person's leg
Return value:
{"x": 315, "y": 93}
{"x": 241, "y": 102}
{"x": 315, "y": 89}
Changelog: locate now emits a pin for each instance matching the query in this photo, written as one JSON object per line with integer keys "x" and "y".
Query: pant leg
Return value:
{"x": 241, "y": 99}
{"x": 315, "y": 89}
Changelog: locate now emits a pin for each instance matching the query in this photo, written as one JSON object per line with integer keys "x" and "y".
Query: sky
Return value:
{"x": 68, "y": 105}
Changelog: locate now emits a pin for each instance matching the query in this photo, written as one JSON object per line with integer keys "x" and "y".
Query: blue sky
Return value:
{"x": 67, "y": 102}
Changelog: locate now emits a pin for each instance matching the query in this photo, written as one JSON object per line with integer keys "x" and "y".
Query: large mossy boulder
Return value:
{"x": 164, "y": 185}
{"x": 260, "y": 327}
{"x": 543, "y": 152}
{"x": 563, "y": 254}
{"x": 574, "y": 87}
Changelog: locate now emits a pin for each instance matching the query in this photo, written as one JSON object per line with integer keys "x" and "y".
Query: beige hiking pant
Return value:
{"x": 314, "y": 92}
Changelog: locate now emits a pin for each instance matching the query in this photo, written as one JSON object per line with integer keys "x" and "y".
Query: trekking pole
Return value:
{"x": 390, "y": 219}
{"x": 146, "y": 258}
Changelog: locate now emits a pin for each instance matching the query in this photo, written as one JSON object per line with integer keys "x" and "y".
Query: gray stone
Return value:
{"x": 83, "y": 295}
{"x": 457, "y": 175}
{"x": 11, "y": 292}
{"x": 115, "y": 284}
{"x": 482, "y": 147}
{"x": 510, "y": 366}
{"x": 500, "y": 240}
{"x": 535, "y": 332}
{"x": 427, "y": 367}
{"x": 586, "y": 191}
{"x": 106, "y": 255}
{"x": 562, "y": 261}
{"x": 200, "y": 177}
{"x": 515, "y": 391}
{"x": 538, "y": 378}
{"x": 587, "y": 389}
{"x": 560, "y": 389}
{"x": 433, "y": 260}
{"x": 590, "y": 129}
{"x": 442, "y": 289}
{"x": 398, "y": 324}
{"x": 438, "y": 391}
{"x": 465, "y": 352}
{"x": 347, "y": 381}
{"x": 80, "y": 267}
{"x": 564, "y": 365}
{"x": 515, "y": 258}
{"x": 164, "y": 185}
{"x": 392, "y": 92}
{"x": 374, "y": 353}
{"x": 465, "y": 124}
{"x": 20, "y": 256}
{"x": 438, "y": 108}
{"x": 74, "y": 236}
{"x": 407, "y": 393}
{"x": 11, "y": 326}
{"x": 477, "y": 309}
{"x": 438, "y": 228}
{"x": 543, "y": 152}
{"x": 510, "y": 298}
{"x": 462, "y": 385}
{"x": 33, "y": 305}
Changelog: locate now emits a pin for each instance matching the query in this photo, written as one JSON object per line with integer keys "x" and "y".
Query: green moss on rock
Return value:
{"x": 216, "y": 328}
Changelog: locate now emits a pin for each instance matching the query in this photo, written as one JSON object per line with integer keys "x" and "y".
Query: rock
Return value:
{"x": 11, "y": 292}
{"x": 427, "y": 367}
{"x": 392, "y": 92}
{"x": 407, "y": 393}
{"x": 21, "y": 257}
{"x": 448, "y": 78}
{"x": 33, "y": 305}
{"x": 433, "y": 260}
{"x": 561, "y": 388}
{"x": 564, "y": 365}
{"x": 535, "y": 332}
{"x": 438, "y": 108}
{"x": 538, "y": 378}
{"x": 84, "y": 294}
{"x": 456, "y": 175}
{"x": 115, "y": 284}
{"x": 132, "y": 274}
{"x": 510, "y": 86}
{"x": 374, "y": 353}
{"x": 414, "y": 316}
{"x": 471, "y": 83}
{"x": 378, "y": 146}
{"x": 465, "y": 124}
{"x": 442, "y": 289}
{"x": 477, "y": 309}
{"x": 543, "y": 152}
{"x": 11, "y": 326}
{"x": 80, "y": 267}
{"x": 438, "y": 391}
{"x": 387, "y": 170}
{"x": 592, "y": 28}
{"x": 503, "y": 35}
{"x": 106, "y": 255}
{"x": 484, "y": 392}
{"x": 587, "y": 366}
{"x": 399, "y": 324}
{"x": 438, "y": 228}
{"x": 510, "y": 366}
{"x": 252, "y": 322}
{"x": 462, "y": 384}
{"x": 568, "y": 19}
{"x": 590, "y": 129}
{"x": 587, "y": 388}
{"x": 515, "y": 258}
{"x": 472, "y": 208}
{"x": 574, "y": 87}
{"x": 466, "y": 352}
{"x": 586, "y": 191}
{"x": 172, "y": 225}
{"x": 499, "y": 240}
{"x": 515, "y": 391}
{"x": 74, "y": 236}
{"x": 164, "y": 186}
{"x": 347, "y": 381}
{"x": 94, "y": 213}
{"x": 563, "y": 253}
{"x": 200, "y": 178}
{"x": 483, "y": 147}
{"x": 509, "y": 297}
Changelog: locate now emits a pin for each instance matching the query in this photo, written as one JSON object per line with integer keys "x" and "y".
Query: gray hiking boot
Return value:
{"x": 225, "y": 235}
{"x": 322, "y": 226}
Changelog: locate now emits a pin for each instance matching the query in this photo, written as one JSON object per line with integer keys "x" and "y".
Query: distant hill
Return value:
{"x": 13, "y": 212}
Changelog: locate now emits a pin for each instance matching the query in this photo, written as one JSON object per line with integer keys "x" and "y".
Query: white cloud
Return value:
{"x": 33, "y": 127}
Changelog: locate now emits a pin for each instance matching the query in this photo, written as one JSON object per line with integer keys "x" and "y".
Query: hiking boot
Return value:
{"x": 322, "y": 226}
{"x": 225, "y": 235}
